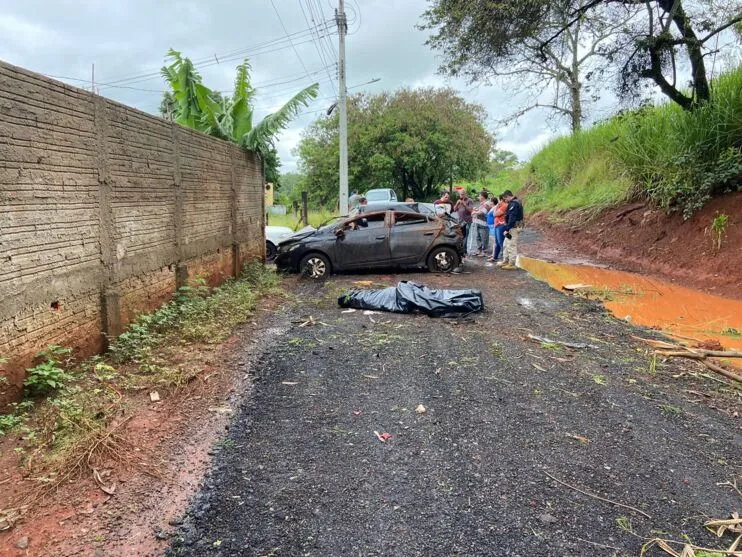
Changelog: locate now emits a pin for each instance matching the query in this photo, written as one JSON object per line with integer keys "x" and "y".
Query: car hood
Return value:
{"x": 300, "y": 235}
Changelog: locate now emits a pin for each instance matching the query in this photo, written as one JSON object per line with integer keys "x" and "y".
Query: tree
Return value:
{"x": 650, "y": 36}
{"x": 478, "y": 42}
{"x": 502, "y": 160}
{"x": 168, "y": 106}
{"x": 414, "y": 141}
{"x": 666, "y": 36}
{"x": 198, "y": 107}
{"x": 291, "y": 187}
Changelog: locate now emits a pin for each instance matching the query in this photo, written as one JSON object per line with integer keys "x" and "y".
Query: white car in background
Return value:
{"x": 274, "y": 235}
{"x": 384, "y": 195}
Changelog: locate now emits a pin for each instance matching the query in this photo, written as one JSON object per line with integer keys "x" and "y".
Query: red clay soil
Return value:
{"x": 638, "y": 237}
{"x": 173, "y": 437}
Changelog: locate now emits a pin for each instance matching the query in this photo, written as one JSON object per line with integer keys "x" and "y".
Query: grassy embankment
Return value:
{"x": 676, "y": 159}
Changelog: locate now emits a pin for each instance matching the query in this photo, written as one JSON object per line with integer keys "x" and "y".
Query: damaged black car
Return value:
{"x": 383, "y": 239}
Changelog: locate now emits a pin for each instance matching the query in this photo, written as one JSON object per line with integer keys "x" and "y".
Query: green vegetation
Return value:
{"x": 193, "y": 105}
{"x": 315, "y": 217}
{"x": 49, "y": 375}
{"x": 676, "y": 158}
{"x": 718, "y": 229}
{"x": 413, "y": 141}
{"x": 75, "y": 424}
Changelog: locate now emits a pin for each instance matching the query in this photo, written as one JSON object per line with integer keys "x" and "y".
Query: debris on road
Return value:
{"x": 576, "y": 345}
{"x": 598, "y": 497}
{"x": 154, "y": 396}
{"x": 670, "y": 350}
{"x": 718, "y": 527}
{"x": 420, "y": 409}
{"x": 371, "y": 376}
{"x": 408, "y": 297}
{"x": 221, "y": 410}
{"x": 289, "y": 383}
{"x": 580, "y": 438}
{"x": 578, "y": 287}
{"x": 110, "y": 490}
{"x": 383, "y": 437}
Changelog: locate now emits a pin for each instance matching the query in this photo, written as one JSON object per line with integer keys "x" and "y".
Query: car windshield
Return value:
{"x": 377, "y": 195}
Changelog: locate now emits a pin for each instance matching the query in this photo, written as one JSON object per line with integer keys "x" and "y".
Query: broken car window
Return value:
{"x": 404, "y": 219}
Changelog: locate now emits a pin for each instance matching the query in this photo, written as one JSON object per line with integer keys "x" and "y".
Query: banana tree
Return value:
{"x": 231, "y": 118}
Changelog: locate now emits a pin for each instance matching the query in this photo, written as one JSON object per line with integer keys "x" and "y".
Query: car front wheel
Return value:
{"x": 315, "y": 265}
{"x": 270, "y": 251}
{"x": 443, "y": 260}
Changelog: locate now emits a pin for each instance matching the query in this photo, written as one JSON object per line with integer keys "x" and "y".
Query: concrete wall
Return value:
{"x": 104, "y": 212}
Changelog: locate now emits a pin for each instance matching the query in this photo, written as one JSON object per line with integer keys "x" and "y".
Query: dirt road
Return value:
{"x": 301, "y": 471}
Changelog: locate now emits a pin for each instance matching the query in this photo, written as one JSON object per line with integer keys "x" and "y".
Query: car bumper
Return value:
{"x": 284, "y": 262}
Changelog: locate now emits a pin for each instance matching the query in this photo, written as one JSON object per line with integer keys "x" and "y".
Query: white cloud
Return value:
{"x": 525, "y": 150}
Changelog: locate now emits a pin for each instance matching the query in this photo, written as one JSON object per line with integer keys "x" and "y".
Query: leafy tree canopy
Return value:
{"x": 192, "y": 104}
{"x": 656, "y": 37}
{"x": 414, "y": 141}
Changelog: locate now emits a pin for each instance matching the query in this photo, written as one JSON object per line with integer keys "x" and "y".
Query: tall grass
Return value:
{"x": 315, "y": 217}
{"x": 676, "y": 158}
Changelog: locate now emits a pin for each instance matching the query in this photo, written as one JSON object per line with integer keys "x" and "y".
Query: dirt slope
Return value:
{"x": 302, "y": 472}
{"x": 637, "y": 237}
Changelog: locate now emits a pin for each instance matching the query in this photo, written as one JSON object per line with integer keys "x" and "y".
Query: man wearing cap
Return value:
{"x": 513, "y": 226}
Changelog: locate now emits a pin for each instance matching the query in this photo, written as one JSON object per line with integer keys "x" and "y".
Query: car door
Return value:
{"x": 364, "y": 242}
{"x": 411, "y": 236}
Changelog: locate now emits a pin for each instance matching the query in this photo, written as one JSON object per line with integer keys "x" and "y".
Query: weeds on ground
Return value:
{"x": 717, "y": 229}
{"x": 496, "y": 350}
{"x": 49, "y": 375}
{"x": 670, "y": 410}
{"x": 731, "y": 332}
{"x": 73, "y": 410}
{"x": 624, "y": 523}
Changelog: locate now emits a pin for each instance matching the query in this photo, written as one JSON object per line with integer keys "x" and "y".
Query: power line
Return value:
{"x": 266, "y": 85}
{"x": 317, "y": 44}
{"x": 265, "y": 47}
{"x": 329, "y": 45}
{"x": 289, "y": 37}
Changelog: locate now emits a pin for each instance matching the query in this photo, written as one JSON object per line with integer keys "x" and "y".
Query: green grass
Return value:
{"x": 675, "y": 158}
{"x": 316, "y": 218}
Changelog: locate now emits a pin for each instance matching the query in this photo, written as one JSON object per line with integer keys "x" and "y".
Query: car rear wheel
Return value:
{"x": 315, "y": 265}
{"x": 443, "y": 260}
{"x": 270, "y": 251}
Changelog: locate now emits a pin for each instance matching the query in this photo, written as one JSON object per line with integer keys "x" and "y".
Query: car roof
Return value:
{"x": 388, "y": 205}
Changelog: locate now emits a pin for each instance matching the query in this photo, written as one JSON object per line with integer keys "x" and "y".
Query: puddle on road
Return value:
{"x": 683, "y": 313}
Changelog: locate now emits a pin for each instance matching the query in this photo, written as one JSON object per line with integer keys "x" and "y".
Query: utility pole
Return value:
{"x": 342, "y": 24}
{"x": 92, "y": 80}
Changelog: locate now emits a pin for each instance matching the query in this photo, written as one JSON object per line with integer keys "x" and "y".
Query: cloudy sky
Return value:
{"x": 127, "y": 41}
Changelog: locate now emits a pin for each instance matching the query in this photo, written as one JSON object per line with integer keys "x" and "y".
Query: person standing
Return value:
{"x": 498, "y": 213}
{"x": 464, "y": 208}
{"x": 479, "y": 224}
{"x": 444, "y": 201}
{"x": 491, "y": 223}
{"x": 354, "y": 200}
{"x": 512, "y": 229}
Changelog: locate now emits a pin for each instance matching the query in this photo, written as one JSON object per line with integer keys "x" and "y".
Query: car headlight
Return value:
{"x": 289, "y": 248}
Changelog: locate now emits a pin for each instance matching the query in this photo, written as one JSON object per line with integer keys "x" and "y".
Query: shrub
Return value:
{"x": 48, "y": 376}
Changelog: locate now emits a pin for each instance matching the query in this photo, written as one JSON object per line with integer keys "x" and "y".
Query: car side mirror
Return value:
{"x": 339, "y": 233}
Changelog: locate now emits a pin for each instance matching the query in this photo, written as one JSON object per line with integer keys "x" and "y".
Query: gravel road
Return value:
{"x": 302, "y": 472}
